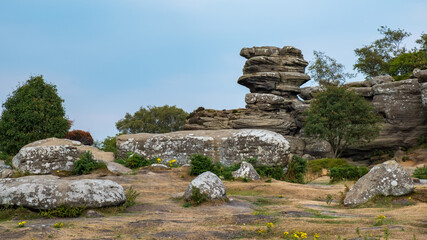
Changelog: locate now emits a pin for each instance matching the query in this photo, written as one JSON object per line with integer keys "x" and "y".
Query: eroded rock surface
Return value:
{"x": 5, "y": 170}
{"x": 208, "y": 184}
{"x": 225, "y": 146}
{"x": 387, "y": 179}
{"x": 53, "y": 154}
{"x": 247, "y": 171}
{"x": 49, "y": 192}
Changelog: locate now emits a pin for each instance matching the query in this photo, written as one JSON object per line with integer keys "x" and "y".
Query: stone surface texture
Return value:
{"x": 5, "y": 170}
{"x": 225, "y": 146}
{"x": 48, "y": 192}
{"x": 387, "y": 179}
{"x": 247, "y": 171}
{"x": 209, "y": 184}
{"x": 276, "y": 103}
{"x": 53, "y": 154}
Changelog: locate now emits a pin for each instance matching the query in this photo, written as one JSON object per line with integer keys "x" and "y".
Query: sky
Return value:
{"x": 110, "y": 57}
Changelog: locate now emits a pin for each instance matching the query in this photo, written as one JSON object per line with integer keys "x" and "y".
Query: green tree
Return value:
{"x": 342, "y": 118}
{"x": 34, "y": 111}
{"x": 373, "y": 60}
{"x": 153, "y": 120}
{"x": 327, "y": 71}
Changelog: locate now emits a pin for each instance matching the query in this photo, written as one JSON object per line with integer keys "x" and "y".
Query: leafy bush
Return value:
{"x": 32, "y": 112}
{"x": 316, "y": 166}
{"x": 135, "y": 160}
{"x": 109, "y": 145}
{"x": 275, "y": 172}
{"x": 200, "y": 164}
{"x": 420, "y": 172}
{"x": 347, "y": 173}
{"x": 297, "y": 168}
{"x": 63, "y": 211}
{"x": 7, "y": 158}
{"x": 86, "y": 164}
{"x": 81, "y": 136}
{"x": 197, "y": 197}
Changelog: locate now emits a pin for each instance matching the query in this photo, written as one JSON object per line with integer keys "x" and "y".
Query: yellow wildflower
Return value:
{"x": 409, "y": 198}
{"x": 296, "y": 236}
{"x": 285, "y": 234}
{"x": 159, "y": 160}
{"x": 270, "y": 225}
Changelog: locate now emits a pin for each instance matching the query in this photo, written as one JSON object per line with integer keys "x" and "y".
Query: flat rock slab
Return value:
{"x": 49, "y": 192}
{"x": 226, "y": 146}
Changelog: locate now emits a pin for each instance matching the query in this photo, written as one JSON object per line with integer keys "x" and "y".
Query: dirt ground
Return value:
{"x": 251, "y": 206}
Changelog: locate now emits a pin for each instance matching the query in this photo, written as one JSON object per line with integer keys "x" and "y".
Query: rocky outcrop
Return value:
{"x": 225, "y": 146}
{"x": 5, "y": 170}
{"x": 246, "y": 171}
{"x": 424, "y": 94}
{"x": 387, "y": 179}
{"x": 53, "y": 154}
{"x": 49, "y": 192}
{"x": 208, "y": 184}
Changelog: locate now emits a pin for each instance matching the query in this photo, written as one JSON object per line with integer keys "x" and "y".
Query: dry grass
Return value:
{"x": 287, "y": 205}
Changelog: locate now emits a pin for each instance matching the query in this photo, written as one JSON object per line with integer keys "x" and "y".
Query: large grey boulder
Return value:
{"x": 49, "y": 192}
{"x": 225, "y": 146}
{"x": 208, "y": 184}
{"x": 424, "y": 94}
{"x": 53, "y": 154}
{"x": 247, "y": 171}
{"x": 420, "y": 74}
{"x": 387, "y": 179}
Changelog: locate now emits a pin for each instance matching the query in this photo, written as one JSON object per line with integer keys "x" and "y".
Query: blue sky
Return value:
{"x": 109, "y": 57}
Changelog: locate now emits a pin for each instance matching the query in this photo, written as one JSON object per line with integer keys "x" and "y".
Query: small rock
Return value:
{"x": 208, "y": 184}
{"x": 157, "y": 166}
{"x": 6, "y": 173}
{"x": 117, "y": 168}
{"x": 381, "y": 80}
{"x": 247, "y": 171}
{"x": 93, "y": 214}
{"x": 387, "y": 179}
{"x": 177, "y": 195}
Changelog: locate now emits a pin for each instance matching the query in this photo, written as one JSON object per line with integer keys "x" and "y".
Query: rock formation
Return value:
{"x": 387, "y": 179}
{"x": 49, "y": 192}
{"x": 225, "y": 146}
{"x": 208, "y": 184}
{"x": 274, "y": 76}
{"x": 247, "y": 171}
{"x": 5, "y": 170}
{"x": 53, "y": 154}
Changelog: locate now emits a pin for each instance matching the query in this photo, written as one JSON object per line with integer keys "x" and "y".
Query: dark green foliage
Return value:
{"x": 19, "y": 213}
{"x": 131, "y": 196}
{"x": 420, "y": 172}
{"x": 297, "y": 168}
{"x": 342, "y": 118}
{"x": 327, "y": 71}
{"x": 86, "y": 164}
{"x": 317, "y": 165}
{"x": 135, "y": 160}
{"x": 109, "y": 145}
{"x": 63, "y": 211}
{"x": 7, "y": 158}
{"x": 153, "y": 120}
{"x": 32, "y": 112}
{"x": 197, "y": 197}
{"x": 347, "y": 173}
{"x": 200, "y": 164}
{"x": 224, "y": 172}
{"x": 388, "y": 56}
{"x": 275, "y": 172}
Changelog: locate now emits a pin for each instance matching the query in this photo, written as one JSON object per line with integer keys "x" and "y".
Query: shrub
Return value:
{"x": 197, "y": 197}
{"x": 109, "y": 145}
{"x": 7, "y": 158}
{"x": 297, "y": 168}
{"x": 420, "y": 172}
{"x": 86, "y": 164}
{"x": 347, "y": 173}
{"x": 32, "y": 112}
{"x": 275, "y": 172}
{"x": 135, "y": 160}
{"x": 81, "y": 136}
{"x": 63, "y": 211}
{"x": 316, "y": 166}
{"x": 200, "y": 164}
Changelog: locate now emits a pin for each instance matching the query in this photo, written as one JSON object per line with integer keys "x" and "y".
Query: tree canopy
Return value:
{"x": 342, "y": 118}
{"x": 388, "y": 55}
{"x": 32, "y": 112}
{"x": 327, "y": 71}
{"x": 153, "y": 120}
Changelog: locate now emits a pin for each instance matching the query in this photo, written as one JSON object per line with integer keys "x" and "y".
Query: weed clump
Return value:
{"x": 420, "y": 172}
{"x": 87, "y": 164}
{"x": 134, "y": 160}
{"x": 297, "y": 168}
{"x": 197, "y": 197}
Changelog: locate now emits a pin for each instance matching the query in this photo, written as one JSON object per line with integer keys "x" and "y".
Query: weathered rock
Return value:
{"x": 358, "y": 84}
{"x": 308, "y": 93}
{"x": 156, "y": 167}
{"x": 225, "y": 146}
{"x": 247, "y": 171}
{"x": 208, "y": 184}
{"x": 420, "y": 74}
{"x": 388, "y": 179}
{"x": 366, "y": 92}
{"x": 5, "y": 170}
{"x": 424, "y": 94}
{"x": 93, "y": 214}
{"x": 53, "y": 154}
{"x": 49, "y": 192}
{"x": 381, "y": 80}
{"x": 266, "y": 102}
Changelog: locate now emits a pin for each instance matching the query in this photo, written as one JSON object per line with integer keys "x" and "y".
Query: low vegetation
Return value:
{"x": 81, "y": 136}
{"x": 134, "y": 160}
{"x": 344, "y": 173}
{"x": 420, "y": 172}
{"x": 87, "y": 164}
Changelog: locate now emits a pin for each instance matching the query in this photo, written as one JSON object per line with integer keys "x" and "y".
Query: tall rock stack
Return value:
{"x": 279, "y": 71}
